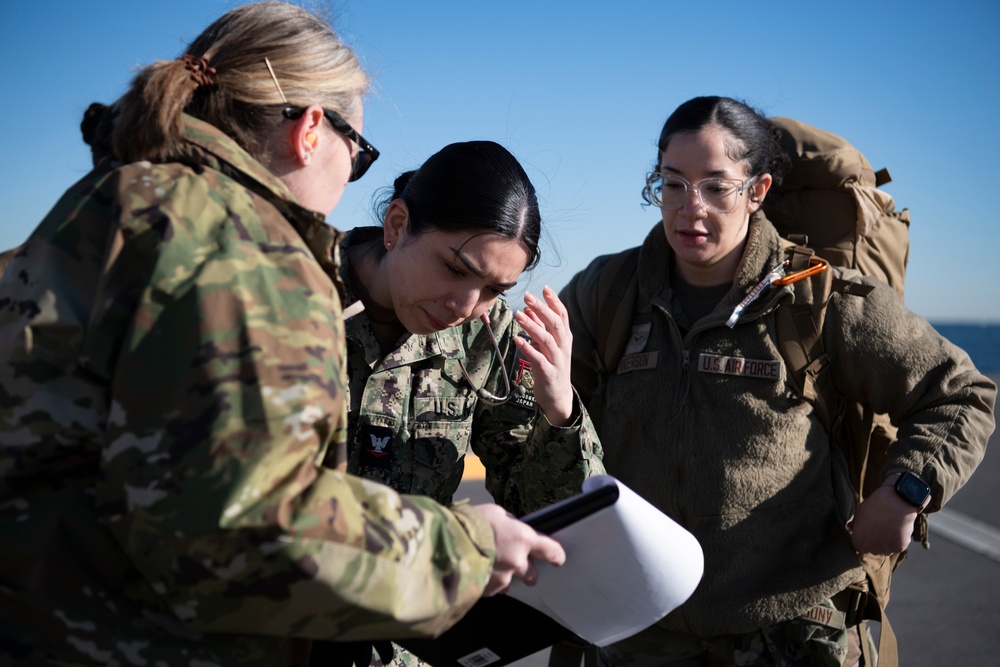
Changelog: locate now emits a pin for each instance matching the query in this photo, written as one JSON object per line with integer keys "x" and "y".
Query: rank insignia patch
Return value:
{"x": 375, "y": 442}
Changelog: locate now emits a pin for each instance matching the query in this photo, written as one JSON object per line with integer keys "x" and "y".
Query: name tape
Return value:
{"x": 769, "y": 369}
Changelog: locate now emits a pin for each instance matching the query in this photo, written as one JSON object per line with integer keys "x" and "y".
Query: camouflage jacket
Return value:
{"x": 171, "y": 373}
{"x": 413, "y": 416}
{"x": 6, "y": 257}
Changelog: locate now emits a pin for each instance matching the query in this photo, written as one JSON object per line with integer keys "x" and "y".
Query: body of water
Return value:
{"x": 981, "y": 341}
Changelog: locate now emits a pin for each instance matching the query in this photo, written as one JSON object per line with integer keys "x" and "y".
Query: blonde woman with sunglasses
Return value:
{"x": 172, "y": 380}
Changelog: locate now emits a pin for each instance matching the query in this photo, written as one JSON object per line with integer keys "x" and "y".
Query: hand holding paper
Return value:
{"x": 627, "y": 566}
{"x": 520, "y": 550}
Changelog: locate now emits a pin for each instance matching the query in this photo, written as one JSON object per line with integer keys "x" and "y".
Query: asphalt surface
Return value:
{"x": 945, "y": 601}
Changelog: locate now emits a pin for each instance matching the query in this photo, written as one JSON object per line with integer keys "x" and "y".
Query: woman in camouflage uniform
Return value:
{"x": 439, "y": 364}
{"x": 427, "y": 382}
{"x": 172, "y": 374}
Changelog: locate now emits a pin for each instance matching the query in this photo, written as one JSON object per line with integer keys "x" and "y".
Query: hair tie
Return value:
{"x": 201, "y": 71}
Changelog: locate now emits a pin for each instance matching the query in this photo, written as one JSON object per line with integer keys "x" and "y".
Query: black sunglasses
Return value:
{"x": 366, "y": 155}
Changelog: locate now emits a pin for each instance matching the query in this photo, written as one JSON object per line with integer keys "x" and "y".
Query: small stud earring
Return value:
{"x": 388, "y": 244}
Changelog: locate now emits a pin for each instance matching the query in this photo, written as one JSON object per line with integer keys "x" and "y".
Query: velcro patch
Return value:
{"x": 768, "y": 369}
{"x": 824, "y": 614}
{"x": 376, "y": 442}
{"x": 637, "y": 362}
{"x": 437, "y": 408}
{"x": 640, "y": 336}
{"x": 522, "y": 383}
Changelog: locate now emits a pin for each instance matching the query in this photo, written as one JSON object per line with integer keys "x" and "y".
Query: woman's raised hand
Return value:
{"x": 550, "y": 353}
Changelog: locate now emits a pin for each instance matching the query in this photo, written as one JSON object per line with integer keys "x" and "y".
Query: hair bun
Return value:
{"x": 399, "y": 185}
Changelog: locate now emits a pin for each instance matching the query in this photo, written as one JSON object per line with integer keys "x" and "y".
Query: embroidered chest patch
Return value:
{"x": 637, "y": 362}
{"x": 522, "y": 383}
{"x": 640, "y": 336}
{"x": 767, "y": 369}
{"x": 634, "y": 359}
{"x": 375, "y": 443}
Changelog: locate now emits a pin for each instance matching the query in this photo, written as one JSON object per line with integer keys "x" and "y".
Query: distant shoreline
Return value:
{"x": 964, "y": 323}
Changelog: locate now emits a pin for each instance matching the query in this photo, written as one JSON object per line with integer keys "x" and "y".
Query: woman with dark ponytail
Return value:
{"x": 702, "y": 418}
{"x": 172, "y": 386}
{"x": 439, "y": 365}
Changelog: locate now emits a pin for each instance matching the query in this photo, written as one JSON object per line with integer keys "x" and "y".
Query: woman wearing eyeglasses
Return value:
{"x": 172, "y": 378}
{"x": 699, "y": 417}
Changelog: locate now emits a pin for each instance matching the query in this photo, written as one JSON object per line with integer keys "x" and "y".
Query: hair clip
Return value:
{"x": 275, "y": 79}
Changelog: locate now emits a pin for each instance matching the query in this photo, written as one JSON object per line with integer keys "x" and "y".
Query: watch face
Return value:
{"x": 912, "y": 489}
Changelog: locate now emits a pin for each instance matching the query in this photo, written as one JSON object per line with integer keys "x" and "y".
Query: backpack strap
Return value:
{"x": 799, "y": 328}
{"x": 617, "y": 289}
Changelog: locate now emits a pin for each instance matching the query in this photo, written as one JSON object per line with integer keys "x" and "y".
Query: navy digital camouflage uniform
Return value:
{"x": 413, "y": 416}
{"x": 171, "y": 378}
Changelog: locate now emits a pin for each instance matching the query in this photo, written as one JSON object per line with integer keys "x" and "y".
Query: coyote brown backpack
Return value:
{"x": 828, "y": 205}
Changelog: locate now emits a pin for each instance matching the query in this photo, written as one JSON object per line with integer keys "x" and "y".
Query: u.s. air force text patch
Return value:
{"x": 768, "y": 369}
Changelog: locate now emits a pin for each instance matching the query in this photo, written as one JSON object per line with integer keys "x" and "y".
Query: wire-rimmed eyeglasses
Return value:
{"x": 718, "y": 195}
{"x": 366, "y": 155}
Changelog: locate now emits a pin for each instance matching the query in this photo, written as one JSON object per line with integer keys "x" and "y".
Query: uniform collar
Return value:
{"x": 204, "y": 145}
{"x": 761, "y": 254}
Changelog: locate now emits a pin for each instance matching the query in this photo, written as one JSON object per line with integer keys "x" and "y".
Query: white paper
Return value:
{"x": 627, "y": 566}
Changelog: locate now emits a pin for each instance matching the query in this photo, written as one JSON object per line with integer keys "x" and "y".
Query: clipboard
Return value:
{"x": 558, "y": 515}
{"x": 499, "y": 630}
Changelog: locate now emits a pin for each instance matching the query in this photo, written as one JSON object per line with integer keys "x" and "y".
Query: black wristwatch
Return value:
{"x": 912, "y": 489}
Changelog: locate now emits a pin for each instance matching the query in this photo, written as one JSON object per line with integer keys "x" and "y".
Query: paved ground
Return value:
{"x": 945, "y": 606}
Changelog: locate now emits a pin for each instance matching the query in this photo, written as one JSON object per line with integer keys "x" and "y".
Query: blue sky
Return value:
{"x": 578, "y": 92}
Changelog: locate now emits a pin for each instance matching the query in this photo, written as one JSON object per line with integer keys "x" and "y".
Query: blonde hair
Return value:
{"x": 241, "y": 98}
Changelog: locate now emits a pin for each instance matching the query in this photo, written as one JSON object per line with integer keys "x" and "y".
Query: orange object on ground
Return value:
{"x": 473, "y": 468}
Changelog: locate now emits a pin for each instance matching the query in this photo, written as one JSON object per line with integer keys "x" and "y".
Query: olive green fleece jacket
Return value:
{"x": 707, "y": 427}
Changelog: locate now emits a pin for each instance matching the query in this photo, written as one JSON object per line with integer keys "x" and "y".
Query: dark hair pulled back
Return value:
{"x": 472, "y": 186}
{"x": 755, "y": 140}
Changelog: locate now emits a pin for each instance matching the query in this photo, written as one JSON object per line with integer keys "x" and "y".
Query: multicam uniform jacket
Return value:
{"x": 171, "y": 373}
{"x": 413, "y": 416}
